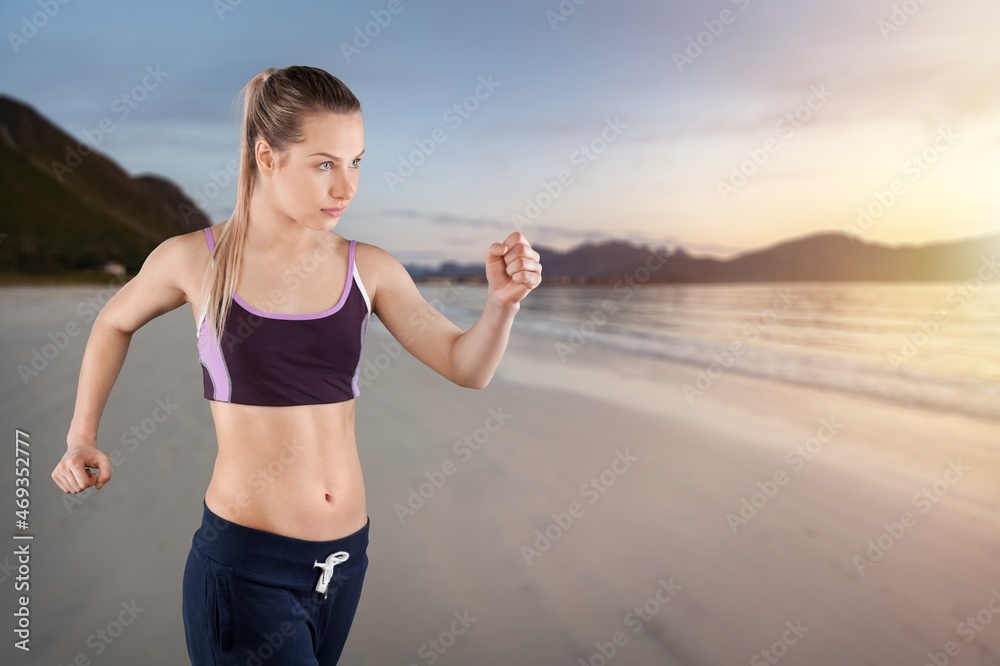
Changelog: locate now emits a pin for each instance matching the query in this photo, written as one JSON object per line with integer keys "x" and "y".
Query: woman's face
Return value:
{"x": 320, "y": 174}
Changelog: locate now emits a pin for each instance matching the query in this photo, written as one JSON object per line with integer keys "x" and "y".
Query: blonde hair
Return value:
{"x": 275, "y": 104}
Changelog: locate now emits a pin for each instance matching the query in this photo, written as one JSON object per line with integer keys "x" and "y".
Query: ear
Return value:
{"x": 267, "y": 159}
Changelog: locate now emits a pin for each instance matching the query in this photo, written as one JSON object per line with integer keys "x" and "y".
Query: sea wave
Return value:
{"x": 929, "y": 345}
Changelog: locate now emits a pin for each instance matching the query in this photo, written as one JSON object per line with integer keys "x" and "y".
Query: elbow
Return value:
{"x": 474, "y": 385}
{"x": 474, "y": 375}
{"x": 474, "y": 381}
{"x": 104, "y": 319}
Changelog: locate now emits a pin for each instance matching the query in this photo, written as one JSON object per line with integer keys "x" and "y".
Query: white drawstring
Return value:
{"x": 331, "y": 561}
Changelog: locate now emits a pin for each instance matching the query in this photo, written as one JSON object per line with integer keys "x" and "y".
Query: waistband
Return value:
{"x": 274, "y": 555}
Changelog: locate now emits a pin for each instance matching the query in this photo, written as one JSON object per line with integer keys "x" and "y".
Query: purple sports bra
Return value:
{"x": 277, "y": 360}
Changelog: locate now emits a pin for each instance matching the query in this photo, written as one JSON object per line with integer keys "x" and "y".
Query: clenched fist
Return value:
{"x": 72, "y": 475}
{"x": 512, "y": 269}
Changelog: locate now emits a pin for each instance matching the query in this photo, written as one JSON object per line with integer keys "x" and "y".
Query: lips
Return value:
{"x": 334, "y": 211}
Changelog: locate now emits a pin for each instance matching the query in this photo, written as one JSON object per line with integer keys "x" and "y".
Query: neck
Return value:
{"x": 271, "y": 231}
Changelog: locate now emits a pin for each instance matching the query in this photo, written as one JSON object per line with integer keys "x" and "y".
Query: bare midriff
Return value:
{"x": 291, "y": 470}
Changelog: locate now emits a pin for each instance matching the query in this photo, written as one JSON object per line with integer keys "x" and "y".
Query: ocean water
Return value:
{"x": 930, "y": 345}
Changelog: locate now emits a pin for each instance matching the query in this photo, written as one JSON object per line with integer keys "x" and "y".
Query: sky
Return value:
{"x": 719, "y": 126}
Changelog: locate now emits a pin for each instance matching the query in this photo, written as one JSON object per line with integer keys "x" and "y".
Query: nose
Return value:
{"x": 342, "y": 185}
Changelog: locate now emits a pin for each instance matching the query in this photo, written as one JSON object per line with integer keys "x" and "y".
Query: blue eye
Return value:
{"x": 356, "y": 163}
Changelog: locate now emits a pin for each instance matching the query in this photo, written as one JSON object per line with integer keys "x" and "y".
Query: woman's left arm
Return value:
{"x": 467, "y": 358}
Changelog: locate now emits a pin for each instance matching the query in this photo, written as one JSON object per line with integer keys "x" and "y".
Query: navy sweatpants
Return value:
{"x": 250, "y": 596}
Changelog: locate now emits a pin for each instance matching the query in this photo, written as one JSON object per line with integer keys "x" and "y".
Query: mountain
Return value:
{"x": 65, "y": 211}
{"x": 66, "y": 208}
{"x": 838, "y": 257}
{"x": 827, "y": 257}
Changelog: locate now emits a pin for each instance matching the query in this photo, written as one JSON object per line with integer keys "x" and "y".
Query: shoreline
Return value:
{"x": 622, "y": 365}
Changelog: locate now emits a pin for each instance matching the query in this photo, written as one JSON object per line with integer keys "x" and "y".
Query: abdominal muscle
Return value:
{"x": 292, "y": 470}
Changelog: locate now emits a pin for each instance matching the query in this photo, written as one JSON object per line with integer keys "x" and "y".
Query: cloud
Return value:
{"x": 438, "y": 218}
{"x": 554, "y": 233}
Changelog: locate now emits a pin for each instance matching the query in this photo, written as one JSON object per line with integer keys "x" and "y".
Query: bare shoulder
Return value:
{"x": 372, "y": 255}
{"x": 188, "y": 254}
{"x": 167, "y": 279}
{"x": 377, "y": 266}
{"x": 179, "y": 263}
{"x": 372, "y": 261}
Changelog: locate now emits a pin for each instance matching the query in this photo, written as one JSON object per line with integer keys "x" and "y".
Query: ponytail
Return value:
{"x": 227, "y": 258}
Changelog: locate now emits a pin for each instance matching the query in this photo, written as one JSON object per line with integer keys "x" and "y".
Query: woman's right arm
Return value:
{"x": 155, "y": 290}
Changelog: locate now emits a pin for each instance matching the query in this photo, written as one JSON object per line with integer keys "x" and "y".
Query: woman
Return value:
{"x": 275, "y": 571}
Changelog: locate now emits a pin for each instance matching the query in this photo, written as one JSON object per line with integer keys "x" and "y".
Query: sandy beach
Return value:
{"x": 577, "y": 512}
